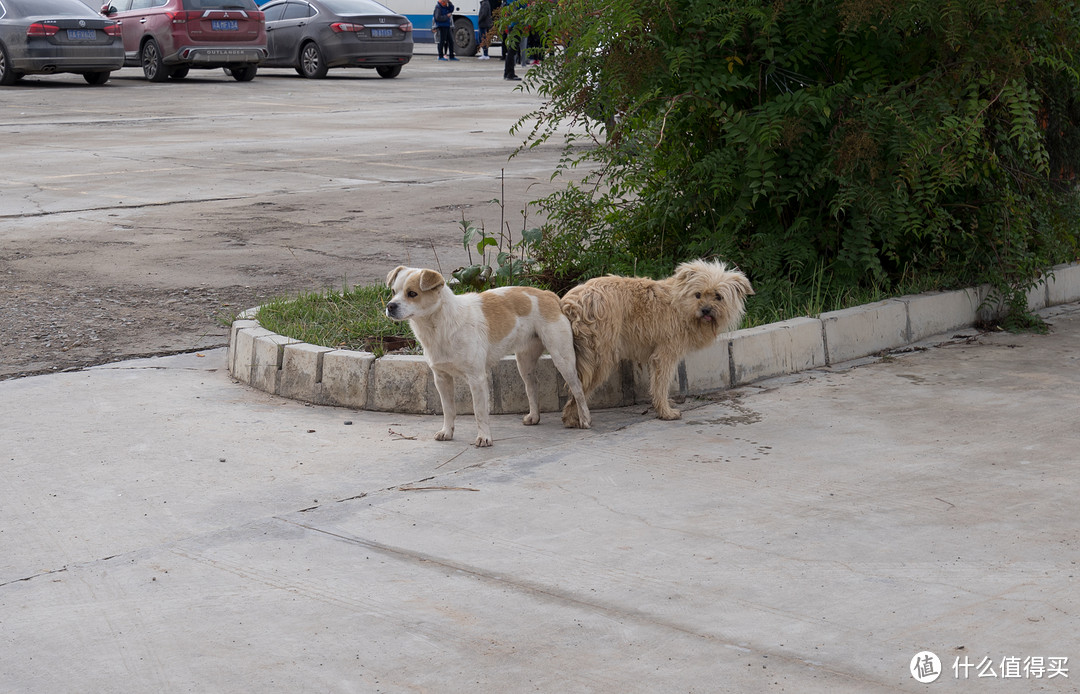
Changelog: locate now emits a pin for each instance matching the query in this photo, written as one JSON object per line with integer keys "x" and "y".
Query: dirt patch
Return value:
{"x": 50, "y": 327}
{"x": 151, "y": 282}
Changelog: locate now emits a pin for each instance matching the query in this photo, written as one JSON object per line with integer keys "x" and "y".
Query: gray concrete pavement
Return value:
{"x": 165, "y": 529}
{"x": 207, "y": 196}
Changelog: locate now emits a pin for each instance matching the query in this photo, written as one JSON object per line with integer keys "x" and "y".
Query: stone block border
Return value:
{"x": 403, "y": 383}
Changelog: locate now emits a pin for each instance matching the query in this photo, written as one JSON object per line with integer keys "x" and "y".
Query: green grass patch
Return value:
{"x": 353, "y": 319}
{"x": 817, "y": 293}
{"x": 356, "y": 319}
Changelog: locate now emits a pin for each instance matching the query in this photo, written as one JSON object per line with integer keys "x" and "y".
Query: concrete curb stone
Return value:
{"x": 403, "y": 383}
{"x": 856, "y": 332}
{"x": 935, "y": 313}
{"x": 345, "y": 376}
{"x": 1063, "y": 284}
{"x": 776, "y": 349}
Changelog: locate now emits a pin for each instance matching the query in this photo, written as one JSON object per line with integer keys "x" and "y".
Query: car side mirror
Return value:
{"x": 107, "y": 10}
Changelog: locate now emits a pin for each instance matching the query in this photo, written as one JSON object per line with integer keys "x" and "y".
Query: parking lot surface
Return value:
{"x": 136, "y": 218}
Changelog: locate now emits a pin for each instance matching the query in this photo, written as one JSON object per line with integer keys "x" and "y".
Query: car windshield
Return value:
{"x": 43, "y": 7}
{"x": 195, "y": 5}
{"x": 347, "y": 7}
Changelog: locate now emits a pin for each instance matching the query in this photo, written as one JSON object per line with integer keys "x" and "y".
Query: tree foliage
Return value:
{"x": 877, "y": 139}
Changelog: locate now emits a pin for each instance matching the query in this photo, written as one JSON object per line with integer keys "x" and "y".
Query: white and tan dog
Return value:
{"x": 465, "y": 335}
{"x": 654, "y": 322}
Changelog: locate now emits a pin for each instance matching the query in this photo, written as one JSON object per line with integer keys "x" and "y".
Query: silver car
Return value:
{"x": 47, "y": 36}
{"x": 313, "y": 36}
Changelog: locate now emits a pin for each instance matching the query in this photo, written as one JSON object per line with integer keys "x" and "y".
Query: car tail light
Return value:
{"x": 182, "y": 17}
{"x": 406, "y": 27}
{"x": 342, "y": 27}
{"x": 114, "y": 30}
{"x": 42, "y": 29}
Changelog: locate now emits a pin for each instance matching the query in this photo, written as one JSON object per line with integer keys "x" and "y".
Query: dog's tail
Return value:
{"x": 584, "y": 310}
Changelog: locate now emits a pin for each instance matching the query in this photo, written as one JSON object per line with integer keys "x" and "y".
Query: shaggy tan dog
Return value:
{"x": 650, "y": 322}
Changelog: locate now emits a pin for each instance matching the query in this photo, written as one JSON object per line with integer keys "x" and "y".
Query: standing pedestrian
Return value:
{"x": 486, "y": 22}
{"x": 443, "y": 18}
{"x": 510, "y": 46}
{"x": 510, "y": 50}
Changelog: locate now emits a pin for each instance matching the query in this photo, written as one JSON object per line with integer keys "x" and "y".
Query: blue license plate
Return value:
{"x": 224, "y": 25}
{"x": 81, "y": 34}
{"x": 382, "y": 33}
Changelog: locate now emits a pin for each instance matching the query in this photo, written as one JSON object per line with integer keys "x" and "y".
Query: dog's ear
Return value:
{"x": 393, "y": 275}
{"x": 743, "y": 284}
{"x": 685, "y": 272}
{"x": 429, "y": 279}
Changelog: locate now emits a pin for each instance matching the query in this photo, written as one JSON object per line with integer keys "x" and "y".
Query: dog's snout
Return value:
{"x": 391, "y": 309}
{"x": 706, "y": 310}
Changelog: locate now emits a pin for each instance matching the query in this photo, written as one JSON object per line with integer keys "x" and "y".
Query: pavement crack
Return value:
{"x": 562, "y": 597}
{"x": 37, "y": 575}
{"x": 110, "y": 208}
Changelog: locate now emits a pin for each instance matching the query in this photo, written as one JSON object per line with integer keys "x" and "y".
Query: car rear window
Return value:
{"x": 347, "y": 7}
{"x": 42, "y": 7}
{"x": 195, "y": 5}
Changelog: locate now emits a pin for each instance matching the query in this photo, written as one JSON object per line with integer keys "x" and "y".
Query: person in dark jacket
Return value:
{"x": 443, "y": 18}
{"x": 509, "y": 48}
{"x": 485, "y": 20}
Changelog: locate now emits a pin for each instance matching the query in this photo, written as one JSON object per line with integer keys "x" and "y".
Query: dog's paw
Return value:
{"x": 444, "y": 435}
{"x": 530, "y": 419}
{"x": 669, "y": 414}
{"x": 585, "y": 423}
{"x": 571, "y": 418}
{"x": 482, "y": 441}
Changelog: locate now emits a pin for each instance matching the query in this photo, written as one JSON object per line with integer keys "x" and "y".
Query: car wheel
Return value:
{"x": 464, "y": 37}
{"x": 8, "y": 76}
{"x": 96, "y": 77}
{"x": 245, "y": 73}
{"x": 311, "y": 63}
{"x": 388, "y": 71}
{"x": 152, "y": 66}
{"x": 179, "y": 73}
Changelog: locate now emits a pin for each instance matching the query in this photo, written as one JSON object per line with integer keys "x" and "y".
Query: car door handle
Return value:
{"x": 142, "y": 21}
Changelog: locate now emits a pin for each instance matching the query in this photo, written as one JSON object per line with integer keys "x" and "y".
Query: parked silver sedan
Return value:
{"x": 313, "y": 36}
{"x": 49, "y": 36}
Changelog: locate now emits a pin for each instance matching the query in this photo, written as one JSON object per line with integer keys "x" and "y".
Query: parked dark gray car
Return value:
{"x": 316, "y": 35}
{"x": 48, "y": 36}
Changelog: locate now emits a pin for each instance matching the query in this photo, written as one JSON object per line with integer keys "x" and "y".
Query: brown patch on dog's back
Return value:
{"x": 503, "y": 308}
{"x": 547, "y": 302}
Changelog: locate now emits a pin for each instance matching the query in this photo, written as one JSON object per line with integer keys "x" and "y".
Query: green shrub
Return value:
{"x": 877, "y": 143}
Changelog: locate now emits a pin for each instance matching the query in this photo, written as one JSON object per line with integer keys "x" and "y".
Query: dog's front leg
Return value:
{"x": 444, "y": 383}
{"x": 481, "y": 409}
{"x": 661, "y": 371}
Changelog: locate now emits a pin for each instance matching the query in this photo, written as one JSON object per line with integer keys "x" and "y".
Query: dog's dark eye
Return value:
{"x": 698, "y": 295}
{"x": 719, "y": 298}
{"x": 412, "y": 295}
